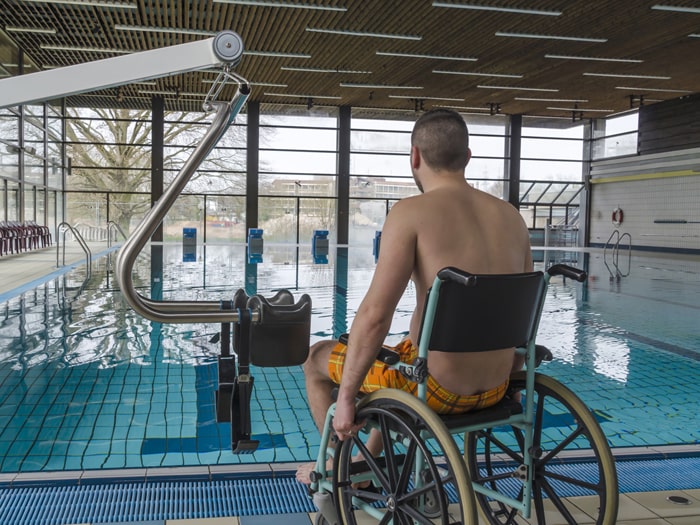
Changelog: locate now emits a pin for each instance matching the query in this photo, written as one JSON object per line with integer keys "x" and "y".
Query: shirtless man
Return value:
{"x": 448, "y": 224}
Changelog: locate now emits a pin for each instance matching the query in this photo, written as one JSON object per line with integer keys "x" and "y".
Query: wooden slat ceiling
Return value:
{"x": 666, "y": 57}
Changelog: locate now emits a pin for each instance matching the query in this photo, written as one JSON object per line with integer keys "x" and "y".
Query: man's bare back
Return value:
{"x": 457, "y": 225}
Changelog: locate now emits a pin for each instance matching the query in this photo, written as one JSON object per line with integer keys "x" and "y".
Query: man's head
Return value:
{"x": 442, "y": 138}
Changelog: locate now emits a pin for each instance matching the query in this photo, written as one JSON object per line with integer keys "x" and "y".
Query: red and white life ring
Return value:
{"x": 617, "y": 216}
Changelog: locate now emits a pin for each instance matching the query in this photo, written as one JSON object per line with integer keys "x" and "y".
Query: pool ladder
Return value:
{"x": 613, "y": 244}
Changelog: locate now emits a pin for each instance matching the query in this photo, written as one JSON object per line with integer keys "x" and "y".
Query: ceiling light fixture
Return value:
{"x": 582, "y": 110}
{"x": 472, "y": 74}
{"x": 265, "y": 84}
{"x": 499, "y": 9}
{"x": 85, "y": 49}
{"x": 530, "y": 99}
{"x": 171, "y": 92}
{"x": 468, "y": 108}
{"x": 272, "y": 3}
{"x": 660, "y": 90}
{"x": 376, "y": 86}
{"x": 597, "y": 59}
{"x": 427, "y": 98}
{"x": 417, "y": 55}
{"x": 276, "y": 54}
{"x": 676, "y": 8}
{"x": 620, "y": 75}
{"x": 91, "y": 3}
{"x": 322, "y": 70}
{"x": 42, "y": 30}
{"x": 296, "y": 95}
{"x": 516, "y": 88}
{"x": 694, "y": 35}
{"x": 363, "y": 33}
{"x": 175, "y": 30}
{"x": 551, "y": 37}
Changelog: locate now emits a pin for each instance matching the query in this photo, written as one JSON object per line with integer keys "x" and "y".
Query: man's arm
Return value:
{"x": 374, "y": 316}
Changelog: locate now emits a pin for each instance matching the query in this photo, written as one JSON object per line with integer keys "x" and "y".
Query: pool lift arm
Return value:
{"x": 223, "y": 51}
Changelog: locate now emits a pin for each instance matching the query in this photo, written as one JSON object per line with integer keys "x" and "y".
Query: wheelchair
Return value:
{"x": 512, "y": 463}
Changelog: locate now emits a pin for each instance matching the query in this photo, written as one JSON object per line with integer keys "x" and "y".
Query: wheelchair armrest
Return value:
{"x": 386, "y": 354}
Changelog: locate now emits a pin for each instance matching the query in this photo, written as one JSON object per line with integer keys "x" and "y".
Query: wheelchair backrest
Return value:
{"x": 476, "y": 313}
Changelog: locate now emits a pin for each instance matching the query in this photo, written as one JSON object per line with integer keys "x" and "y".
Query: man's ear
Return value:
{"x": 415, "y": 157}
{"x": 469, "y": 155}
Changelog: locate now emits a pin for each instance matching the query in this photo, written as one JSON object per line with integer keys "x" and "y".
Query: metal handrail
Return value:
{"x": 110, "y": 226}
{"x": 181, "y": 311}
{"x": 62, "y": 228}
{"x": 616, "y": 254}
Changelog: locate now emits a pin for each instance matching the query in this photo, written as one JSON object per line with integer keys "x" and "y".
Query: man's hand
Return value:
{"x": 344, "y": 420}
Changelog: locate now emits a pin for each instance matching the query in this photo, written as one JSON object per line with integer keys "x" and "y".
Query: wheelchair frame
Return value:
{"x": 338, "y": 498}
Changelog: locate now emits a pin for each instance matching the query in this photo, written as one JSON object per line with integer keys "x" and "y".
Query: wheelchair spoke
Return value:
{"x": 561, "y": 446}
{"x": 557, "y": 502}
{"x": 595, "y": 487}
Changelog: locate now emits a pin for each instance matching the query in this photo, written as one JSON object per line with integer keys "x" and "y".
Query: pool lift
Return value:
{"x": 266, "y": 332}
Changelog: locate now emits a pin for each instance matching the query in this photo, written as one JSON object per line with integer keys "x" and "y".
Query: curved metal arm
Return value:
{"x": 178, "y": 311}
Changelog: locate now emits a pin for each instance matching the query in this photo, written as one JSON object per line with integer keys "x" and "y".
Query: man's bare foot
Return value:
{"x": 304, "y": 473}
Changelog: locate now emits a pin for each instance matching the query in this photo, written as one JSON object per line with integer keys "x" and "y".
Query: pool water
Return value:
{"x": 85, "y": 383}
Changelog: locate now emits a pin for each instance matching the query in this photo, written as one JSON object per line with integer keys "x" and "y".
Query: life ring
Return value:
{"x": 617, "y": 216}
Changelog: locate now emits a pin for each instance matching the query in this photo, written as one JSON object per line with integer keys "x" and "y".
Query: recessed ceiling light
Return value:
{"x": 598, "y": 59}
{"x": 620, "y": 75}
{"x": 362, "y": 33}
{"x": 85, "y": 49}
{"x": 175, "y": 30}
{"x": 582, "y": 110}
{"x": 322, "y": 70}
{"x": 469, "y": 108}
{"x": 265, "y": 84}
{"x": 517, "y": 88}
{"x": 91, "y": 3}
{"x": 377, "y": 86}
{"x": 42, "y": 30}
{"x": 276, "y": 54}
{"x": 694, "y": 35}
{"x": 417, "y": 55}
{"x": 499, "y": 9}
{"x": 676, "y": 8}
{"x": 427, "y": 98}
{"x": 296, "y": 95}
{"x": 472, "y": 74}
{"x": 531, "y": 99}
{"x": 550, "y": 37}
{"x": 661, "y": 90}
{"x": 273, "y": 3}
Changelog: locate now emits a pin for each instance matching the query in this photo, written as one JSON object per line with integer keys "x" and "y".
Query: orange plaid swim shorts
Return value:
{"x": 440, "y": 400}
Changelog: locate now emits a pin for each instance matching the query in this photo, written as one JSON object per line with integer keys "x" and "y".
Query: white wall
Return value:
{"x": 648, "y": 188}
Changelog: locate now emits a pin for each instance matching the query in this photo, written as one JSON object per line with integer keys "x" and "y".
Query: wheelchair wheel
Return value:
{"x": 577, "y": 439}
{"x": 416, "y": 444}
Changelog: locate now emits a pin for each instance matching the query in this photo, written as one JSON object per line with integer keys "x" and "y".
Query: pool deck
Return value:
{"x": 23, "y": 271}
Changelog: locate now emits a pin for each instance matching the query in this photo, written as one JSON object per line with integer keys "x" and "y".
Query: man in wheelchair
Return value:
{"x": 450, "y": 224}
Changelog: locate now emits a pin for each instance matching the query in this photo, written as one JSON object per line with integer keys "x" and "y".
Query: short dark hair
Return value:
{"x": 442, "y": 137}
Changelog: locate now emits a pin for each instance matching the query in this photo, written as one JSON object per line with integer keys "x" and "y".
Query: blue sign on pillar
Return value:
{"x": 255, "y": 245}
{"x": 375, "y": 245}
{"x": 319, "y": 246}
{"x": 189, "y": 244}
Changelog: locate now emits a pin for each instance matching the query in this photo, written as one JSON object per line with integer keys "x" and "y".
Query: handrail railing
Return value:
{"x": 181, "y": 311}
{"x": 61, "y": 229}
{"x": 111, "y": 225}
{"x": 615, "y": 247}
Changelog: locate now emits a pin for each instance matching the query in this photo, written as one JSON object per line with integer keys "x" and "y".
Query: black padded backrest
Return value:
{"x": 476, "y": 313}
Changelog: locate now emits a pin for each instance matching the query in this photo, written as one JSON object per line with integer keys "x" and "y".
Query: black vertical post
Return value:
{"x": 252, "y": 165}
{"x": 513, "y": 153}
{"x": 157, "y": 143}
{"x": 343, "y": 211}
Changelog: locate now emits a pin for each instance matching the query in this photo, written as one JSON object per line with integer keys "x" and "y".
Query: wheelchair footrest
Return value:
{"x": 501, "y": 410}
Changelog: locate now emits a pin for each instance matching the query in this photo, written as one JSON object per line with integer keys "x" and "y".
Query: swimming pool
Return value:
{"x": 85, "y": 384}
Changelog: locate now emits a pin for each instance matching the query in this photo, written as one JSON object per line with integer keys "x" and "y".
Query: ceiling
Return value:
{"x": 414, "y": 54}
